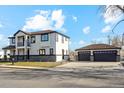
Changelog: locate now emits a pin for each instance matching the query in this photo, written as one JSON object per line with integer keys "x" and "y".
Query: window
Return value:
{"x": 44, "y": 37}
{"x": 51, "y": 51}
{"x": 42, "y": 52}
{"x": 13, "y": 41}
{"x": 32, "y": 39}
{"x": 65, "y": 38}
{"x": 62, "y": 39}
{"x": 57, "y": 38}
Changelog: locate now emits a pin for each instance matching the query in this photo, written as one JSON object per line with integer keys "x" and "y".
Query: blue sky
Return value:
{"x": 84, "y": 24}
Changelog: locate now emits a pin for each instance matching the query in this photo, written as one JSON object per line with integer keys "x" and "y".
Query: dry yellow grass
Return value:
{"x": 38, "y": 64}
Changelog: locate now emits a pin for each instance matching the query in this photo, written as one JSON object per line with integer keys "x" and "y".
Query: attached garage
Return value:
{"x": 84, "y": 56}
{"x": 105, "y": 55}
{"x": 99, "y": 52}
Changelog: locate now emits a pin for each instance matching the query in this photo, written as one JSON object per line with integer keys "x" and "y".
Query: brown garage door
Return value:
{"x": 84, "y": 56}
{"x": 105, "y": 55}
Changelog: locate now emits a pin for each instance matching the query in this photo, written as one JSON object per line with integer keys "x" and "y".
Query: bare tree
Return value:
{"x": 116, "y": 41}
{"x": 114, "y": 10}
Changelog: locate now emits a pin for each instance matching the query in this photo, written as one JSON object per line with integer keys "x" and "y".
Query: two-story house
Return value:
{"x": 46, "y": 45}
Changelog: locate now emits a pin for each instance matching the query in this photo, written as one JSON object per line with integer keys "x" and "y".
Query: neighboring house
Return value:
{"x": 46, "y": 45}
{"x": 98, "y": 52}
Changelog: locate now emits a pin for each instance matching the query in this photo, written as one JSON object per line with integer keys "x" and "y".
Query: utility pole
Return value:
{"x": 123, "y": 39}
{"x": 109, "y": 39}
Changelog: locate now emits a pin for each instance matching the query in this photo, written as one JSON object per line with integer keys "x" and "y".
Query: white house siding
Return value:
{"x": 21, "y": 52}
{"x": 60, "y": 46}
{"x": 12, "y": 52}
{"x": 35, "y": 47}
{"x": 34, "y": 50}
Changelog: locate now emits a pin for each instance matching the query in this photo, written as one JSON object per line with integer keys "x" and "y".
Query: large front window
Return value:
{"x": 32, "y": 39}
{"x": 44, "y": 37}
{"x": 20, "y": 41}
{"x": 62, "y": 39}
{"x": 42, "y": 52}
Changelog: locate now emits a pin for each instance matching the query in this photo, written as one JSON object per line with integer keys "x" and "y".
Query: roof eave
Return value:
{"x": 96, "y": 49}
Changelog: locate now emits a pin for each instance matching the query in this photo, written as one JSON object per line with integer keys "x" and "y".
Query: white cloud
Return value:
{"x": 86, "y": 30}
{"x": 58, "y": 17}
{"x": 106, "y": 29}
{"x": 74, "y": 18}
{"x": 81, "y": 42}
{"x": 53, "y": 20}
{"x": 37, "y": 22}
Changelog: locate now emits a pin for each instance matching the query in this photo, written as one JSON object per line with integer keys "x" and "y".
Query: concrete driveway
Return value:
{"x": 84, "y": 64}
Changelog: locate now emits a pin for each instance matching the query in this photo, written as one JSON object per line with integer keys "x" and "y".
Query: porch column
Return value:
{"x": 25, "y": 53}
{"x": 91, "y": 56}
{"x": 5, "y": 54}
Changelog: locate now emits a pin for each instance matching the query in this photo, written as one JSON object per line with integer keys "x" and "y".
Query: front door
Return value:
{"x": 62, "y": 53}
{"x": 28, "y": 53}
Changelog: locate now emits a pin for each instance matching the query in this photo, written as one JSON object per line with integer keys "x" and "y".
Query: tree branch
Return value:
{"x": 117, "y": 25}
{"x": 121, "y": 8}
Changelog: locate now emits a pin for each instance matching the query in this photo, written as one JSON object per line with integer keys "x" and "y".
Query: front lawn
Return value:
{"x": 34, "y": 64}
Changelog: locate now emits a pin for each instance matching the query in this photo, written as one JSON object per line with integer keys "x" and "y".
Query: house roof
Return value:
{"x": 27, "y": 33}
{"x": 11, "y": 37}
{"x": 40, "y": 32}
{"x": 9, "y": 47}
{"x": 98, "y": 46}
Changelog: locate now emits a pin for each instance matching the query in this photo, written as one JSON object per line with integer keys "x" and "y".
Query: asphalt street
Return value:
{"x": 84, "y": 78}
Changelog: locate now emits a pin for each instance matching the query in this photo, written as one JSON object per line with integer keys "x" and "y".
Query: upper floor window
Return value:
{"x": 65, "y": 38}
{"x": 13, "y": 41}
{"x": 51, "y": 51}
{"x": 42, "y": 52}
{"x": 33, "y": 39}
{"x": 44, "y": 37}
{"x": 62, "y": 39}
{"x": 57, "y": 38}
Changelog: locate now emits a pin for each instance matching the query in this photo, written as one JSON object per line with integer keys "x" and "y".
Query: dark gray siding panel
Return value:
{"x": 43, "y": 58}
